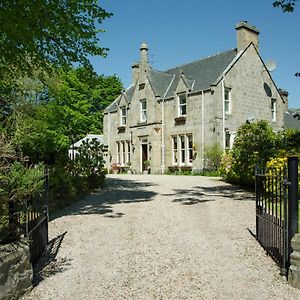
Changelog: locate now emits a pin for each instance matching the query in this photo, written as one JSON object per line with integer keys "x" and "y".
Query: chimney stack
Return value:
{"x": 135, "y": 72}
{"x": 246, "y": 34}
{"x": 144, "y": 66}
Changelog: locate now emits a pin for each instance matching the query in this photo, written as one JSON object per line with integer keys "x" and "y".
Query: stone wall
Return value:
{"x": 294, "y": 271}
{"x": 15, "y": 270}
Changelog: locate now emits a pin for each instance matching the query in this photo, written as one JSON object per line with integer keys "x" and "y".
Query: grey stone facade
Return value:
{"x": 191, "y": 106}
{"x": 15, "y": 270}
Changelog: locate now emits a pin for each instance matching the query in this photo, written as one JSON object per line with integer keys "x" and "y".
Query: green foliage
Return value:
{"x": 45, "y": 118}
{"x": 257, "y": 145}
{"x": 285, "y": 5}
{"x": 21, "y": 183}
{"x": 212, "y": 157}
{"x": 45, "y": 34}
{"x": 89, "y": 160}
{"x": 254, "y": 145}
{"x": 289, "y": 141}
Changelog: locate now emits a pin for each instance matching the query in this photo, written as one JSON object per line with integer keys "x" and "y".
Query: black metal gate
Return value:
{"x": 37, "y": 218}
{"x": 277, "y": 210}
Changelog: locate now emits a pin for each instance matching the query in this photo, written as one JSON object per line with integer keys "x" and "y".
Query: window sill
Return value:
{"x": 142, "y": 122}
{"x": 180, "y": 120}
{"x": 121, "y": 129}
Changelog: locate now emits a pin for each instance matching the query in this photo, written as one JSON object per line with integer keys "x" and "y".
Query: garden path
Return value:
{"x": 159, "y": 237}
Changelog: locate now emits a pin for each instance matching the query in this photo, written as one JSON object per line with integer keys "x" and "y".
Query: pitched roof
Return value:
{"x": 114, "y": 105}
{"x": 159, "y": 81}
{"x": 204, "y": 72}
{"x": 290, "y": 121}
{"x": 197, "y": 75}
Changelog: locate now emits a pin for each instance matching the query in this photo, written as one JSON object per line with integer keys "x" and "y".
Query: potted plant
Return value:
{"x": 128, "y": 165}
{"x": 147, "y": 166}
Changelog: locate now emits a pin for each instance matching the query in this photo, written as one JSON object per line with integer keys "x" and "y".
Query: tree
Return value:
{"x": 254, "y": 145}
{"x": 286, "y": 5}
{"x": 47, "y": 117}
{"x": 41, "y": 34}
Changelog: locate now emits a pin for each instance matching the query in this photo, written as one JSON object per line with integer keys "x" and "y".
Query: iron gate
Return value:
{"x": 277, "y": 210}
{"x": 37, "y": 222}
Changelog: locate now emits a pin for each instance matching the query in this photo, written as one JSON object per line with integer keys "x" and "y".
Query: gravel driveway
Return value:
{"x": 159, "y": 237}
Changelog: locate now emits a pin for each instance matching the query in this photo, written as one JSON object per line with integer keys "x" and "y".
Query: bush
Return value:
{"x": 212, "y": 157}
{"x": 19, "y": 186}
{"x": 254, "y": 145}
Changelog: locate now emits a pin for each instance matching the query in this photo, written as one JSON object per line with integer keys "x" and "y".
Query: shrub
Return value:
{"x": 254, "y": 145}
{"x": 212, "y": 157}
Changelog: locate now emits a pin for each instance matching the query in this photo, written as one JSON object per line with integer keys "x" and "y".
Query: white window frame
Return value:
{"x": 123, "y": 152}
{"x": 183, "y": 155}
{"x": 118, "y": 153}
{"x": 123, "y": 116}
{"x": 189, "y": 148}
{"x": 128, "y": 152}
{"x": 227, "y": 101}
{"x": 181, "y": 104}
{"x": 175, "y": 150}
{"x": 273, "y": 109}
{"x": 229, "y": 142}
{"x": 143, "y": 110}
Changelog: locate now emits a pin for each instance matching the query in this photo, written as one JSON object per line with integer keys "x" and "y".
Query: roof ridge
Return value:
{"x": 162, "y": 72}
{"x": 201, "y": 59}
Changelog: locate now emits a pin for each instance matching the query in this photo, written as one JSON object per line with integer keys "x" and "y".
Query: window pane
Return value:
{"x": 183, "y": 110}
{"x": 175, "y": 142}
{"x": 226, "y": 106}
{"x": 227, "y": 140}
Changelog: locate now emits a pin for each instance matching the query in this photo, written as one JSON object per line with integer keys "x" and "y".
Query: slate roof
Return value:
{"x": 197, "y": 75}
{"x": 204, "y": 72}
{"x": 290, "y": 121}
{"x": 128, "y": 95}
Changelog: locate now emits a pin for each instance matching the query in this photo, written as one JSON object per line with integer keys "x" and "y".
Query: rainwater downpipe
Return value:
{"x": 202, "y": 129}
{"x": 162, "y": 138}
{"x": 223, "y": 117}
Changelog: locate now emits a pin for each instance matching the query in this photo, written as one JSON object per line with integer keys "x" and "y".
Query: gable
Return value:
{"x": 122, "y": 101}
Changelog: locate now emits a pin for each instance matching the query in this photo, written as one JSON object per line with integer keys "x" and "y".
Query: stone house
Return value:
{"x": 169, "y": 117}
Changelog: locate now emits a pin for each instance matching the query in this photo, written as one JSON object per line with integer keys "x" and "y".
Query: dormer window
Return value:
{"x": 123, "y": 116}
{"x": 143, "y": 110}
{"x": 182, "y": 104}
{"x": 227, "y": 101}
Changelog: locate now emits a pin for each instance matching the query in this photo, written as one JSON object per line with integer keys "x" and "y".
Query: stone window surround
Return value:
{"x": 181, "y": 104}
{"x": 123, "y": 152}
{"x": 143, "y": 110}
{"x": 227, "y": 100}
{"x": 123, "y": 116}
{"x": 273, "y": 110}
{"x": 182, "y": 149}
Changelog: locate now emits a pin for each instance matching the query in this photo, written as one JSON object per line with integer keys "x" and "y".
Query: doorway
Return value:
{"x": 144, "y": 154}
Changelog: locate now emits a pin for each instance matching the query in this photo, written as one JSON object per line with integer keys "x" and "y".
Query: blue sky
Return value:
{"x": 179, "y": 32}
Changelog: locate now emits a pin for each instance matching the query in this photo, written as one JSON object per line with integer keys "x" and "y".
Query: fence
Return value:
{"x": 277, "y": 210}
{"x": 37, "y": 218}
{"x": 29, "y": 219}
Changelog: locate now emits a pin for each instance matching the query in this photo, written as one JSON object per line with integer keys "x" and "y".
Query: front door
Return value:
{"x": 144, "y": 156}
{"x": 144, "y": 153}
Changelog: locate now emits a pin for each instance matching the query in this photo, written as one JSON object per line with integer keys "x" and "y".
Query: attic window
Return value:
{"x": 141, "y": 86}
{"x": 182, "y": 104}
{"x": 123, "y": 116}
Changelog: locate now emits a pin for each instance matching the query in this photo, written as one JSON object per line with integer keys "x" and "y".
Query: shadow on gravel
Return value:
{"x": 190, "y": 201}
{"x": 48, "y": 265}
{"x": 116, "y": 191}
{"x": 203, "y": 194}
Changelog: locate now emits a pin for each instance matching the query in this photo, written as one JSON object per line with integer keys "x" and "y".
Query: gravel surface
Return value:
{"x": 159, "y": 237}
